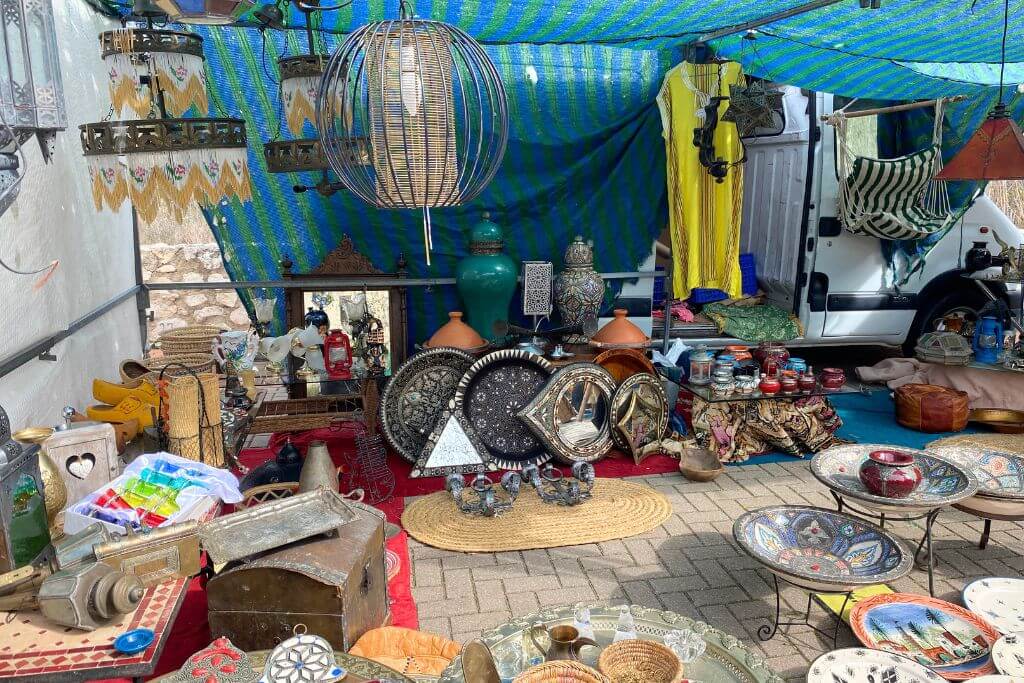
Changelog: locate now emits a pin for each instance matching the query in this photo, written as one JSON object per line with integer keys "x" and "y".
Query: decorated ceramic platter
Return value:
{"x": 726, "y": 659}
{"x": 860, "y": 665}
{"x": 821, "y": 549}
{"x": 492, "y": 392}
{"x": 999, "y": 679}
{"x": 946, "y": 638}
{"x": 1008, "y": 654}
{"x": 1000, "y": 474}
{"x": 414, "y": 399}
{"x": 943, "y": 482}
{"x": 1000, "y": 601}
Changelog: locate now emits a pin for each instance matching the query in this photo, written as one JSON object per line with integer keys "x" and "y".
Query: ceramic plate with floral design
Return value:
{"x": 1008, "y": 654}
{"x": 1000, "y": 473}
{"x": 1000, "y": 601}
{"x": 946, "y": 638}
{"x": 861, "y": 665}
{"x": 821, "y": 549}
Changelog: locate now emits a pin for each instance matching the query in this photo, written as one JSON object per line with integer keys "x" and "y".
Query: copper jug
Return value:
{"x": 566, "y": 642}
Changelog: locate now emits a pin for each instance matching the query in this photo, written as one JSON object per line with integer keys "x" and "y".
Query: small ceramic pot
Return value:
{"x": 740, "y": 353}
{"x": 770, "y": 385}
{"x": 773, "y": 350}
{"x": 833, "y": 378}
{"x": 797, "y": 365}
{"x": 789, "y": 382}
{"x": 807, "y": 381}
{"x": 891, "y": 474}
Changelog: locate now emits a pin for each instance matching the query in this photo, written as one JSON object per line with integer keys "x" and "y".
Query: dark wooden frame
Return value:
{"x": 347, "y": 263}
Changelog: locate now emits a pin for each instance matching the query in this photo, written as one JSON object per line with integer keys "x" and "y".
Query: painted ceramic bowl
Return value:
{"x": 821, "y": 549}
{"x": 999, "y": 600}
{"x": 943, "y": 482}
{"x": 1008, "y": 654}
{"x": 860, "y": 665}
{"x": 946, "y": 638}
{"x": 889, "y": 473}
{"x": 1000, "y": 474}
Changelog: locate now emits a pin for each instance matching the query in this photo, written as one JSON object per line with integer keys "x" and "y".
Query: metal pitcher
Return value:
{"x": 318, "y": 469}
{"x": 566, "y": 642}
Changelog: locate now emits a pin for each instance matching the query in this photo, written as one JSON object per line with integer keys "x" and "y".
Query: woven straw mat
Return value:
{"x": 1013, "y": 443}
{"x": 616, "y": 509}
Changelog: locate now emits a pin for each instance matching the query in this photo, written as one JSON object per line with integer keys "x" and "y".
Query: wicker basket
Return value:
{"x": 562, "y": 671}
{"x": 191, "y": 434}
{"x": 149, "y": 368}
{"x": 640, "y": 661}
{"x": 191, "y": 339}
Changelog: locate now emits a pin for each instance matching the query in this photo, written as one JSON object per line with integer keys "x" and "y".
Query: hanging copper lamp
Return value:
{"x": 996, "y": 150}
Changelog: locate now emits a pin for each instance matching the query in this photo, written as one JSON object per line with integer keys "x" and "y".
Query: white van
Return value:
{"x": 837, "y": 282}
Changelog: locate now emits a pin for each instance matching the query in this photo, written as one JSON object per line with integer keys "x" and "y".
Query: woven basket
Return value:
{"x": 562, "y": 671}
{"x": 191, "y": 339}
{"x": 640, "y": 661}
{"x": 186, "y": 424}
{"x": 149, "y": 368}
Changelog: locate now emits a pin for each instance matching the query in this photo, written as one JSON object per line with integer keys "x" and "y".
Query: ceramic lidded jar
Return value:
{"x": 486, "y": 279}
{"x": 579, "y": 289}
{"x": 833, "y": 378}
{"x": 891, "y": 474}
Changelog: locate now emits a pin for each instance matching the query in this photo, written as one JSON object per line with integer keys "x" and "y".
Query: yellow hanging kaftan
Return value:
{"x": 704, "y": 215}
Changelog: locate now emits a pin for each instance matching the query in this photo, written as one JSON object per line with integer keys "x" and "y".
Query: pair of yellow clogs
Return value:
{"x": 120, "y": 403}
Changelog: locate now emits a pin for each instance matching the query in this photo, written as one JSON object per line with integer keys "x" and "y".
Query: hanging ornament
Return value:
{"x": 134, "y": 56}
{"x": 303, "y": 658}
{"x": 752, "y": 106}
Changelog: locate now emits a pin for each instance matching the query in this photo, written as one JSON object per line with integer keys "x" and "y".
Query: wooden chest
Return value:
{"x": 336, "y": 586}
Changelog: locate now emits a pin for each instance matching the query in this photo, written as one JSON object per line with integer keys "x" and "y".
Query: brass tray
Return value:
{"x": 726, "y": 660}
{"x": 1002, "y": 421}
{"x": 359, "y": 670}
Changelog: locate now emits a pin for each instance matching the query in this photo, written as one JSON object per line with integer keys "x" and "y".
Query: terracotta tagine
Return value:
{"x": 770, "y": 385}
{"x": 456, "y": 333}
{"x": 620, "y": 332}
{"x": 833, "y": 378}
{"x": 486, "y": 279}
{"x": 891, "y": 474}
{"x": 579, "y": 289}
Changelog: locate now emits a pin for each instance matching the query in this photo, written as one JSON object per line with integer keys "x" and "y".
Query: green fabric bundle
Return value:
{"x": 754, "y": 323}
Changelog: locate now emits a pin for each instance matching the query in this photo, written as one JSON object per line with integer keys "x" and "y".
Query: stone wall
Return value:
{"x": 176, "y": 308}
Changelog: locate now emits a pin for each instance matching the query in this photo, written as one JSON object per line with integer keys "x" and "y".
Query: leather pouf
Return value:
{"x": 930, "y": 408}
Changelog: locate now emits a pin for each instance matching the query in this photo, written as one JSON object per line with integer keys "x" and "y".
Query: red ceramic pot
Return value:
{"x": 769, "y": 385}
{"x": 808, "y": 382}
{"x": 773, "y": 351}
{"x": 833, "y": 378}
{"x": 789, "y": 382}
{"x": 891, "y": 474}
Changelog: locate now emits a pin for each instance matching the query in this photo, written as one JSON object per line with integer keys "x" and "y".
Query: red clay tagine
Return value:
{"x": 891, "y": 474}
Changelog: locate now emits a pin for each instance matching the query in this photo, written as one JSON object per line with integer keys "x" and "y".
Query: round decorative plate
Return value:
{"x": 946, "y": 638}
{"x": 1000, "y": 474}
{"x": 860, "y": 665}
{"x": 648, "y": 388}
{"x": 821, "y": 549}
{"x": 995, "y": 678}
{"x": 726, "y": 659}
{"x": 1008, "y": 654}
{"x": 942, "y": 481}
{"x": 415, "y": 397}
{"x": 999, "y": 600}
{"x": 491, "y": 394}
{"x": 623, "y": 363}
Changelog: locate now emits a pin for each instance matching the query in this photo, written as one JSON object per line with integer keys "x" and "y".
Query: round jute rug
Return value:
{"x": 617, "y": 509}
{"x": 1013, "y": 443}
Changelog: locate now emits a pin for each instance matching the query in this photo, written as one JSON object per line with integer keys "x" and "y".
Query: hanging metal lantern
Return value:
{"x": 211, "y": 12}
{"x": 432, "y": 106}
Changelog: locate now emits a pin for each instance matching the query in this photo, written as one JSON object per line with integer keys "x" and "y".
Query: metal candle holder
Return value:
{"x": 489, "y": 500}
{"x": 554, "y": 487}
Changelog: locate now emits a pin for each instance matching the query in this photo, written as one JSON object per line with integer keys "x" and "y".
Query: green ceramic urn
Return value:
{"x": 486, "y": 278}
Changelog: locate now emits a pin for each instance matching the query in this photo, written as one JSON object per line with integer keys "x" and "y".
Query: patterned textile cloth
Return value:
{"x": 736, "y": 430}
{"x": 704, "y": 212}
{"x": 754, "y": 323}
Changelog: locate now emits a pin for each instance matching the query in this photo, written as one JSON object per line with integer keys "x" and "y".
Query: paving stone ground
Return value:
{"x": 690, "y": 565}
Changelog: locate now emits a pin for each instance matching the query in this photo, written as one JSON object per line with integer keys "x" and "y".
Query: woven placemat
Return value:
{"x": 617, "y": 509}
{"x": 1013, "y": 443}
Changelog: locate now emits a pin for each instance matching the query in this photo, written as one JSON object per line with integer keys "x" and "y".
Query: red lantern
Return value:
{"x": 338, "y": 355}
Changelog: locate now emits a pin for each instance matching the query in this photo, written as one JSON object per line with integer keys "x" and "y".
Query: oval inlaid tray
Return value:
{"x": 623, "y": 363}
{"x": 943, "y": 482}
{"x": 491, "y": 394}
{"x": 949, "y": 640}
{"x": 726, "y": 659}
{"x": 999, "y": 600}
{"x": 1000, "y": 474}
{"x": 860, "y": 665}
{"x": 821, "y": 549}
{"x": 416, "y": 396}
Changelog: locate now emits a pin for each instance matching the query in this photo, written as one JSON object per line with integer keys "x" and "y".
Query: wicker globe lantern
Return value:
{"x": 430, "y": 103}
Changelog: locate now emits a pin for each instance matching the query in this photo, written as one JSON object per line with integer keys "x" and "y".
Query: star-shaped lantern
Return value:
{"x": 752, "y": 106}
{"x": 640, "y": 423}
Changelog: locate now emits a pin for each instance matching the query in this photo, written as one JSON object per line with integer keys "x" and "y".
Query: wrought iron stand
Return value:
{"x": 768, "y": 631}
{"x": 925, "y": 542}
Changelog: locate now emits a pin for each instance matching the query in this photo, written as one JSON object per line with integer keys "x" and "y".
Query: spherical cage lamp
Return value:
{"x": 428, "y": 102}
{"x": 211, "y": 12}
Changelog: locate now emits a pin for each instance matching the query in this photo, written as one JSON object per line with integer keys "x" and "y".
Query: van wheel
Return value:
{"x": 965, "y": 303}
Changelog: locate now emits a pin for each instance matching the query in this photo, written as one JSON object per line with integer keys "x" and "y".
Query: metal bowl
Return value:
{"x": 1002, "y": 421}
{"x": 699, "y": 464}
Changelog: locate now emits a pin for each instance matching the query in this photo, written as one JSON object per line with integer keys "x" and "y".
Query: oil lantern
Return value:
{"x": 338, "y": 355}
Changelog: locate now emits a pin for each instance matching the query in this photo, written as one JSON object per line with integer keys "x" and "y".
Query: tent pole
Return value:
{"x": 777, "y": 16}
{"x": 897, "y": 107}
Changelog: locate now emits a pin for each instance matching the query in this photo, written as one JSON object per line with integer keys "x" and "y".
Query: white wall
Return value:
{"x": 54, "y": 218}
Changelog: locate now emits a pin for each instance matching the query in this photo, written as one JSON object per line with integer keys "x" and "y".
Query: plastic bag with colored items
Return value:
{"x": 156, "y": 489}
